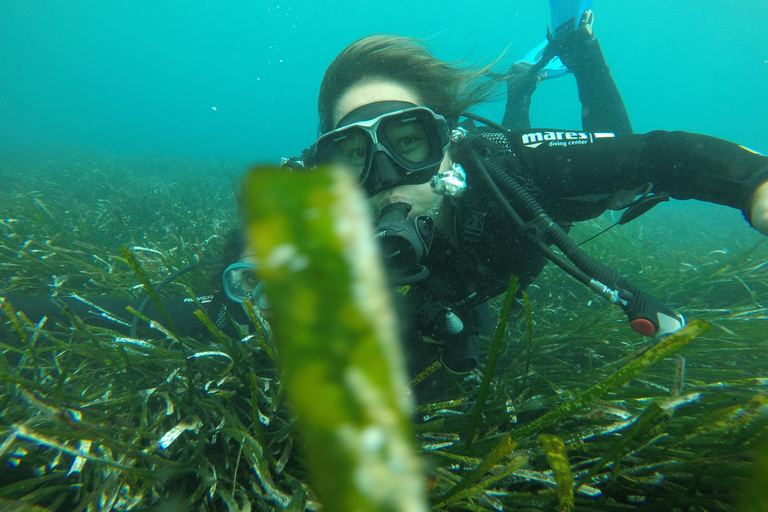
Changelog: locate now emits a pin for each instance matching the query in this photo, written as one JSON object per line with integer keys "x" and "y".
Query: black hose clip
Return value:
{"x": 538, "y": 227}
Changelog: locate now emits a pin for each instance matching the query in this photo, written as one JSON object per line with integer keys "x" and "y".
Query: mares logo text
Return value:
{"x": 535, "y": 139}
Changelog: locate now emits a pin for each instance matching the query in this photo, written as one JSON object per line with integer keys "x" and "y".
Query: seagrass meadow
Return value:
{"x": 572, "y": 411}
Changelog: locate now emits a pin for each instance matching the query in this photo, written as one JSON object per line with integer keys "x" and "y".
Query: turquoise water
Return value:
{"x": 143, "y": 76}
{"x": 238, "y": 80}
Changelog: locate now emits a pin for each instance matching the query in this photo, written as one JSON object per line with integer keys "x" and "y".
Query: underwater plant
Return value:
{"x": 578, "y": 412}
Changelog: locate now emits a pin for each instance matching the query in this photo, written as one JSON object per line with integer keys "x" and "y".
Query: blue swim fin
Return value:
{"x": 566, "y": 16}
{"x": 554, "y": 69}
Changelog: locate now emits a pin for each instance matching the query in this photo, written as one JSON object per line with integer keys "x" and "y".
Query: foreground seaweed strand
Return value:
{"x": 337, "y": 338}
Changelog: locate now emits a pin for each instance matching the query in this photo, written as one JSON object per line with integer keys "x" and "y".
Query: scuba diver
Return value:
{"x": 460, "y": 207}
{"x": 234, "y": 283}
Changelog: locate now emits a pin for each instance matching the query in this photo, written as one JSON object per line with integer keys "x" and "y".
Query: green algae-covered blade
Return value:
{"x": 493, "y": 358}
{"x": 641, "y": 424}
{"x": 500, "y": 451}
{"x": 489, "y": 481}
{"x": 557, "y": 456}
{"x": 665, "y": 348}
{"x": 528, "y": 337}
{"x": 336, "y": 336}
{"x": 131, "y": 260}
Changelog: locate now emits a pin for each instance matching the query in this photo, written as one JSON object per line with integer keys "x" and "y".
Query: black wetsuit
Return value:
{"x": 572, "y": 175}
{"x": 224, "y": 313}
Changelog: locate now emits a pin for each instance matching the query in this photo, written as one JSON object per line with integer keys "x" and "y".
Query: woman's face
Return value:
{"x": 422, "y": 197}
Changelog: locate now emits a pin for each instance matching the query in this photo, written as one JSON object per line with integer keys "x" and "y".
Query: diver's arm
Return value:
{"x": 521, "y": 84}
{"x": 685, "y": 165}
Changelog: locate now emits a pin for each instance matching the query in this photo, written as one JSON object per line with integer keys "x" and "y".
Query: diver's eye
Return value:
{"x": 407, "y": 144}
{"x": 410, "y": 141}
{"x": 351, "y": 150}
{"x": 355, "y": 154}
{"x": 250, "y": 280}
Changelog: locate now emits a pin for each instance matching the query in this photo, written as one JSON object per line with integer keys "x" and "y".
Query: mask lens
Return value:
{"x": 412, "y": 137}
{"x": 349, "y": 148}
{"x": 240, "y": 281}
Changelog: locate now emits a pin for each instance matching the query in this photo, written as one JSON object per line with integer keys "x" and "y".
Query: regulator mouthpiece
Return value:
{"x": 405, "y": 242}
{"x": 450, "y": 182}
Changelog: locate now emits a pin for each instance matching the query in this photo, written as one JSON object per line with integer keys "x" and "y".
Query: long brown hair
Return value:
{"x": 448, "y": 88}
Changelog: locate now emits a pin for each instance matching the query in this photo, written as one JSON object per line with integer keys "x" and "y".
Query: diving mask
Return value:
{"x": 241, "y": 283}
{"x": 387, "y": 144}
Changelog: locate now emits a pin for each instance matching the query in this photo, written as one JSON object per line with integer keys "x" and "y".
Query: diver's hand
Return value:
{"x": 760, "y": 209}
{"x": 577, "y": 47}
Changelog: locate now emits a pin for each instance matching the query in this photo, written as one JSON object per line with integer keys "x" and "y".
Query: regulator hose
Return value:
{"x": 647, "y": 315}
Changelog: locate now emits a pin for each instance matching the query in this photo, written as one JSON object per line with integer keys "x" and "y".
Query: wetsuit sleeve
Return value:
{"x": 602, "y": 108}
{"x": 521, "y": 84}
{"x": 685, "y": 165}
